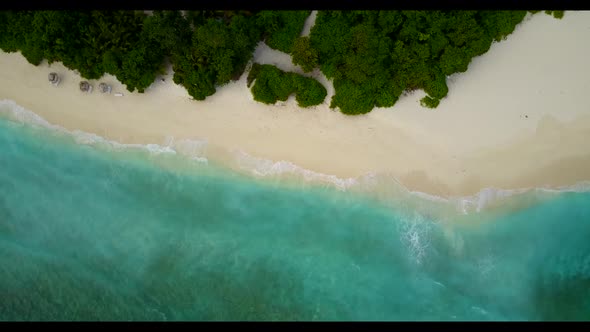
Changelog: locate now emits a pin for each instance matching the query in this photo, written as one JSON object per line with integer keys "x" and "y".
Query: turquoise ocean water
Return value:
{"x": 92, "y": 232}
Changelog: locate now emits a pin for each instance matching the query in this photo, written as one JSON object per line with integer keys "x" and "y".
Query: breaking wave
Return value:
{"x": 197, "y": 150}
{"x": 191, "y": 148}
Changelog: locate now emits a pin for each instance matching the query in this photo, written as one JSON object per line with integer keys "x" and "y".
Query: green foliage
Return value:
{"x": 436, "y": 87}
{"x": 17, "y": 35}
{"x": 168, "y": 29}
{"x": 304, "y": 55}
{"x": 309, "y": 92}
{"x": 282, "y": 27}
{"x": 499, "y": 24}
{"x": 556, "y": 13}
{"x": 373, "y": 57}
{"x": 217, "y": 53}
{"x": 352, "y": 98}
{"x": 254, "y": 70}
{"x": 209, "y": 50}
{"x": 429, "y": 102}
{"x": 272, "y": 84}
{"x": 92, "y": 42}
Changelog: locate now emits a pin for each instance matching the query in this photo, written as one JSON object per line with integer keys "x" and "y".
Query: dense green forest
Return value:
{"x": 206, "y": 48}
{"x": 272, "y": 84}
{"x": 372, "y": 57}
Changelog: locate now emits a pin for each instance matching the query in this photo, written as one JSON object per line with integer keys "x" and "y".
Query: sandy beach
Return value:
{"x": 518, "y": 118}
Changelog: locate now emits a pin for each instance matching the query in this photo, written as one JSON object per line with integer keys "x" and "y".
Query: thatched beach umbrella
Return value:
{"x": 53, "y": 78}
{"x": 85, "y": 86}
{"x": 104, "y": 88}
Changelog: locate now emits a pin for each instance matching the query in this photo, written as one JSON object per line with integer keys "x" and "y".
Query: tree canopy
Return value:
{"x": 304, "y": 55}
{"x": 372, "y": 57}
{"x": 282, "y": 27}
{"x": 272, "y": 84}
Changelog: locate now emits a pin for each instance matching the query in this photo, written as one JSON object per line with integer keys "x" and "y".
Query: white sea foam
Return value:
{"x": 266, "y": 167}
{"x": 19, "y": 114}
{"x": 480, "y": 310}
{"x": 485, "y": 197}
{"x": 439, "y": 284}
{"x": 197, "y": 151}
{"x": 486, "y": 264}
{"x": 415, "y": 234}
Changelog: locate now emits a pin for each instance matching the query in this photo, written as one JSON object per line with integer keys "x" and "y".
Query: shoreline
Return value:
{"x": 190, "y": 156}
{"x": 472, "y": 141}
{"x": 186, "y": 157}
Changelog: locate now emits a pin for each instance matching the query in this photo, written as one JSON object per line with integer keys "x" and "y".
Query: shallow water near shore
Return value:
{"x": 88, "y": 232}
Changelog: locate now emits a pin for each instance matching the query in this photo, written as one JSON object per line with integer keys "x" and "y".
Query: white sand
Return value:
{"x": 478, "y": 137}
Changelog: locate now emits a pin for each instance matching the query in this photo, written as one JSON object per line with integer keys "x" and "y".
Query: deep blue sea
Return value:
{"x": 93, "y": 232}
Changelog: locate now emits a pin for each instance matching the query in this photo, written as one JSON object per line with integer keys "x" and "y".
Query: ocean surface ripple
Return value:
{"x": 92, "y": 229}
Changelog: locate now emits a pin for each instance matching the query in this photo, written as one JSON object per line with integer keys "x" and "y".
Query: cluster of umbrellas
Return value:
{"x": 85, "y": 86}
